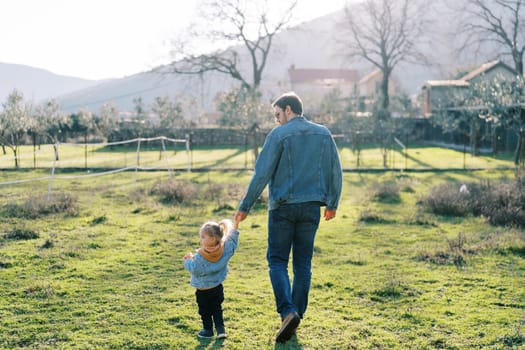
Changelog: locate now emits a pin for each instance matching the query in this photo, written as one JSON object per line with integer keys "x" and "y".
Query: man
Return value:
{"x": 300, "y": 163}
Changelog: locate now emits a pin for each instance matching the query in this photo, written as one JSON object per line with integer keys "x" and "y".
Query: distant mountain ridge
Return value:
{"x": 37, "y": 84}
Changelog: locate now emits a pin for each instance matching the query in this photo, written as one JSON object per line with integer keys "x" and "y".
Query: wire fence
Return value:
{"x": 69, "y": 156}
{"x": 171, "y": 155}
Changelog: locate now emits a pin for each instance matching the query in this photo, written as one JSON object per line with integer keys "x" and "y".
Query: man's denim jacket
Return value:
{"x": 300, "y": 162}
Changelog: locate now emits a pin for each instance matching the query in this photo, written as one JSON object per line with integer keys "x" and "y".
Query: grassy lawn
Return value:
{"x": 175, "y": 156}
{"x": 112, "y": 277}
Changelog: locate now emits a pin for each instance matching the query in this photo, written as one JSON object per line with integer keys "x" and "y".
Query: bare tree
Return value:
{"x": 244, "y": 27}
{"x": 492, "y": 22}
{"x": 385, "y": 33}
{"x": 238, "y": 36}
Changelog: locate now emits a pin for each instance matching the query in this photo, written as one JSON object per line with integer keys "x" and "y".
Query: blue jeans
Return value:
{"x": 292, "y": 227}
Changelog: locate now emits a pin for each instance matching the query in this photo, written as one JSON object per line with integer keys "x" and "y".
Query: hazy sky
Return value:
{"x": 99, "y": 39}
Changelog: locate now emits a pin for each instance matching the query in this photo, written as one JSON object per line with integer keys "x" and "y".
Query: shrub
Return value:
{"x": 502, "y": 203}
{"x": 386, "y": 192}
{"x": 48, "y": 244}
{"x": 5, "y": 264}
{"x": 21, "y": 234}
{"x": 506, "y": 204}
{"x": 39, "y": 291}
{"x": 370, "y": 216}
{"x": 215, "y": 192}
{"x": 175, "y": 192}
{"x": 457, "y": 253}
{"x": 98, "y": 220}
{"x": 235, "y": 191}
{"x": 42, "y": 205}
{"x": 223, "y": 208}
{"x": 447, "y": 200}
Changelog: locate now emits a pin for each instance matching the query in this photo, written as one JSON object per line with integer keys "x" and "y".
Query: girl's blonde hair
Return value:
{"x": 217, "y": 230}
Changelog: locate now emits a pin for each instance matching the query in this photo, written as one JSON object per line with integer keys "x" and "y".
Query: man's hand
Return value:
{"x": 239, "y": 216}
{"x": 329, "y": 214}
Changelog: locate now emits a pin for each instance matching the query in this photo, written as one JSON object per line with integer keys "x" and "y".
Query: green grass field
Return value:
{"x": 175, "y": 156}
{"x": 112, "y": 276}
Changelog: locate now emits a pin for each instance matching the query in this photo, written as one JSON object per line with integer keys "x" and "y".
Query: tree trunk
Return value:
{"x": 356, "y": 147}
{"x": 15, "y": 153}
{"x": 518, "y": 62}
{"x": 384, "y": 151}
{"x": 85, "y": 150}
{"x": 474, "y": 139}
{"x": 254, "y": 145}
{"x": 518, "y": 153}
{"x": 245, "y": 151}
{"x": 384, "y": 91}
{"x": 34, "y": 151}
{"x": 494, "y": 142}
{"x": 55, "y": 148}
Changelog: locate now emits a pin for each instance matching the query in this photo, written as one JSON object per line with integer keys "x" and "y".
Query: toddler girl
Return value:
{"x": 208, "y": 268}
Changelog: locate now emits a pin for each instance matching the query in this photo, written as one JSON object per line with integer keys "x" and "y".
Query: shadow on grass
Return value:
{"x": 293, "y": 343}
{"x": 208, "y": 344}
{"x": 418, "y": 161}
{"x": 145, "y": 146}
{"x": 518, "y": 251}
{"x": 224, "y": 160}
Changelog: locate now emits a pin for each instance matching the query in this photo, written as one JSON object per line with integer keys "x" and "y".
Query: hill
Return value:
{"x": 37, "y": 84}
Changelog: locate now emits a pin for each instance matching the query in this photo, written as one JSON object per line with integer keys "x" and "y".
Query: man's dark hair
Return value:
{"x": 289, "y": 99}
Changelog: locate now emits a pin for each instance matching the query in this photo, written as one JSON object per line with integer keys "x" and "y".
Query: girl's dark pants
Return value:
{"x": 210, "y": 307}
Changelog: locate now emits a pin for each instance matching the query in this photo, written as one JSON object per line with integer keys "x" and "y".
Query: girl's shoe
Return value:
{"x": 205, "y": 333}
{"x": 221, "y": 335}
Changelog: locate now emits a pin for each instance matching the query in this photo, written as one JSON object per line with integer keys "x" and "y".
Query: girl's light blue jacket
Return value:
{"x": 206, "y": 274}
{"x": 300, "y": 162}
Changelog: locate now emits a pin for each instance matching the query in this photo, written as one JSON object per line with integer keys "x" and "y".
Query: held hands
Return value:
{"x": 188, "y": 256}
{"x": 239, "y": 216}
{"x": 329, "y": 214}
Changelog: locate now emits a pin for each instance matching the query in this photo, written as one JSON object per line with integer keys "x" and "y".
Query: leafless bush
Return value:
{"x": 215, "y": 191}
{"x": 175, "y": 192}
{"x": 502, "y": 203}
{"x": 505, "y": 205}
{"x": 21, "y": 234}
{"x": 386, "y": 192}
{"x": 370, "y": 216}
{"x": 42, "y": 205}
{"x": 457, "y": 253}
{"x": 447, "y": 200}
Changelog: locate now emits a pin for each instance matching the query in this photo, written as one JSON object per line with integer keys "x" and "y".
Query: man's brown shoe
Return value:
{"x": 288, "y": 327}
